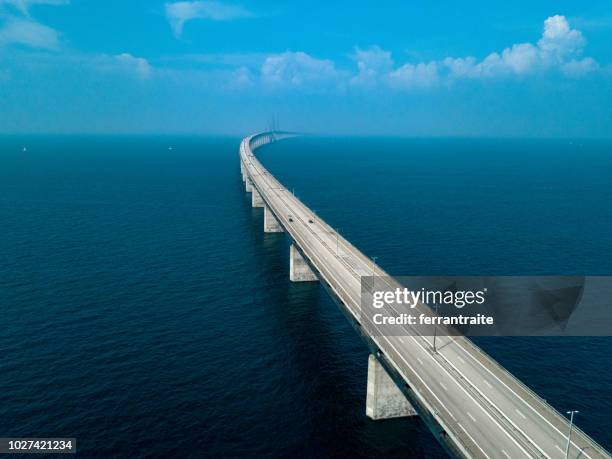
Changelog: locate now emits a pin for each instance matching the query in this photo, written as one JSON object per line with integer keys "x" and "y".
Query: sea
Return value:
{"x": 144, "y": 312}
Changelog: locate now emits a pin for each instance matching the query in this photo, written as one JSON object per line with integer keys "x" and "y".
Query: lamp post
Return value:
{"x": 337, "y": 244}
{"x": 569, "y": 435}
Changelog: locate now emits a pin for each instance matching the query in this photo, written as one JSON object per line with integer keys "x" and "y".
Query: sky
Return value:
{"x": 396, "y": 67}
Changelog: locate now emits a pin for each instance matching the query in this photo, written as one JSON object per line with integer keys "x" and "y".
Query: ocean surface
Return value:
{"x": 145, "y": 312}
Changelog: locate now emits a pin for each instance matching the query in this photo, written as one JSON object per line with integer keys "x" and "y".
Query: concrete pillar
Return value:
{"x": 299, "y": 270}
{"x": 384, "y": 400}
{"x": 257, "y": 201}
{"x": 271, "y": 224}
{"x": 248, "y": 185}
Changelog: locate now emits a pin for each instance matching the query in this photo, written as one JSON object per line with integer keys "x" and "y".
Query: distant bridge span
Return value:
{"x": 472, "y": 405}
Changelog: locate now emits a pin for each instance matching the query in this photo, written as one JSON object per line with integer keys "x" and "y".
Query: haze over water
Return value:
{"x": 146, "y": 313}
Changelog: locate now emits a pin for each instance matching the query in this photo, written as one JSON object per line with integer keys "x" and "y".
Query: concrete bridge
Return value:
{"x": 471, "y": 404}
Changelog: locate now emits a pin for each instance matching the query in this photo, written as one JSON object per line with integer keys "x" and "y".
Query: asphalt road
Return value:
{"x": 484, "y": 409}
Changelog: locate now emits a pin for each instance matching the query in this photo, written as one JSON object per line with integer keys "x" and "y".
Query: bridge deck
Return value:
{"x": 484, "y": 410}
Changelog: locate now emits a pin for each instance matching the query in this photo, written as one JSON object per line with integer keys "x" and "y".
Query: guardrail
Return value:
{"x": 253, "y": 142}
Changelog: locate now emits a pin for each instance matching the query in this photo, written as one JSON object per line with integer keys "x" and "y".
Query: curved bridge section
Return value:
{"x": 472, "y": 405}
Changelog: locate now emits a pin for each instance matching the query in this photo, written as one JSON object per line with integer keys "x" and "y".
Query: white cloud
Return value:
{"x": 180, "y": 12}
{"x": 297, "y": 69}
{"x": 372, "y": 64}
{"x": 422, "y": 75}
{"x": 557, "y": 48}
{"x": 559, "y": 40}
{"x": 577, "y": 68}
{"x": 28, "y": 32}
{"x": 520, "y": 59}
{"x": 123, "y": 64}
{"x": 241, "y": 78}
{"x": 24, "y": 5}
{"x": 140, "y": 66}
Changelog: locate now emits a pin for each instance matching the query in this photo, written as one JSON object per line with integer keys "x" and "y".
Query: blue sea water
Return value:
{"x": 145, "y": 312}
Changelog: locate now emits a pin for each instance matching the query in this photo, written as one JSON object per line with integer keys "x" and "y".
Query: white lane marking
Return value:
{"x": 420, "y": 361}
{"x": 418, "y": 344}
{"x": 474, "y": 441}
{"x": 518, "y": 396}
{"x": 489, "y": 371}
{"x": 521, "y": 414}
{"x": 402, "y": 340}
{"x": 559, "y": 448}
{"x": 479, "y": 405}
{"x": 453, "y": 379}
{"x": 488, "y": 384}
{"x": 444, "y": 387}
{"x": 493, "y": 404}
{"x": 426, "y": 403}
{"x": 470, "y": 415}
{"x": 440, "y": 402}
{"x": 401, "y": 357}
{"x": 506, "y": 454}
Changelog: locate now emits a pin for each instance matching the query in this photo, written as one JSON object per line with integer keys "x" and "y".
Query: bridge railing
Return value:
{"x": 257, "y": 140}
{"x": 495, "y": 366}
{"x": 463, "y": 442}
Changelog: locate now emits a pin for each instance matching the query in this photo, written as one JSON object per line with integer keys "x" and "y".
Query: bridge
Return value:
{"x": 471, "y": 404}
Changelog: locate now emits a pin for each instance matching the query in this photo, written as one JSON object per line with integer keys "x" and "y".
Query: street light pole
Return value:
{"x": 569, "y": 436}
{"x": 337, "y": 232}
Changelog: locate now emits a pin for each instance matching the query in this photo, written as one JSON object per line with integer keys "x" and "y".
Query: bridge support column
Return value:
{"x": 271, "y": 224}
{"x": 248, "y": 185}
{"x": 299, "y": 271}
{"x": 384, "y": 400}
{"x": 256, "y": 198}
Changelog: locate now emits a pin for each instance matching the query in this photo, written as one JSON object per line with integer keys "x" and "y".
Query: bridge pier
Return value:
{"x": 384, "y": 400}
{"x": 256, "y": 201}
{"x": 271, "y": 224}
{"x": 248, "y": 185}
{"x": 299, "y": 271}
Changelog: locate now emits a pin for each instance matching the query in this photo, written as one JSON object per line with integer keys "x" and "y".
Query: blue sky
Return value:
{"x": 536, "y": 69}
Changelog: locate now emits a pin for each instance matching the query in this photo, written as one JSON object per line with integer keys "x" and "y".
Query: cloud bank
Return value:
{"x": 26, "y": 32}
{"x": 19, "y": 28}
{"x": 296, "y": 70}
{"x": 23, "y": 6}
{"x": 560, "y": 48}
